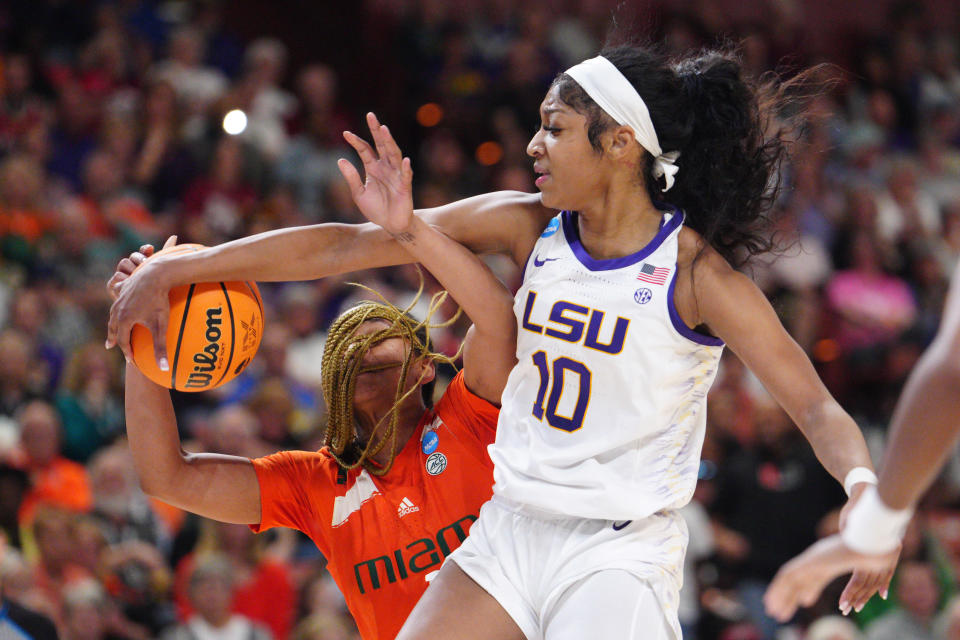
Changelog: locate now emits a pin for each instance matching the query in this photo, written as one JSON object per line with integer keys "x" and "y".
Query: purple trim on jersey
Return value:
{"x": 681, "y": 326}
{"x": 573, "y": 239}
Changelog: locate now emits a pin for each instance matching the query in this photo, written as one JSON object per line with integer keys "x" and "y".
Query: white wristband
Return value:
{"x": 856, "y": 476}
{"x": 872, "y": 527}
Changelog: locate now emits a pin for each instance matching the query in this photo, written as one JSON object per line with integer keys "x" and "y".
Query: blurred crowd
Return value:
{"x": 114, "y": 132}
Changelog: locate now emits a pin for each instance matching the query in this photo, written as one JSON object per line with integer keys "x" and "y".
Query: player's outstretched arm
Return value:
{"x": 926, "y": 421}
{"x": 501, "y": 222}
{"x": 489, "y": 351}
{"x": 733, "y": 307}
{"x": 214, "y": 486}
{"x": 924, "y": 430}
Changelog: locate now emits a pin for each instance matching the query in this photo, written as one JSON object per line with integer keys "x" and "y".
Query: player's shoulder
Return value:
{"x": 318, "y": 462}
{"x": 458, "y": 406}
{"x": 518, "y": 201}
{"x": 693, "y": 252}
{"x": 516, "y": 209}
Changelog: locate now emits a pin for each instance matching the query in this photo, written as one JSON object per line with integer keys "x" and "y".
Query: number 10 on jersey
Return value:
{"x": 552, "y": 378}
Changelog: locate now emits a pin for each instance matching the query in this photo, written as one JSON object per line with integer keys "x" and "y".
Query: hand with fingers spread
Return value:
{"x": 800, "y": 581}
{"x": 873, "y": 577}
{"x": 146, "y": 304}
{"x": 386, "y": 196}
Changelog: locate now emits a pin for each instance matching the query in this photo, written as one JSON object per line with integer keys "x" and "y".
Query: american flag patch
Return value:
{"x": 652, "y": 274}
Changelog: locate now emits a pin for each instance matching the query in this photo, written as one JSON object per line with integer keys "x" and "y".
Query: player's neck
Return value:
{"x": 622, "y": 224}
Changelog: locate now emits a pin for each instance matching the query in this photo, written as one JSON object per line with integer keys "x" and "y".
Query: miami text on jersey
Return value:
{"x": 421, "y": 555}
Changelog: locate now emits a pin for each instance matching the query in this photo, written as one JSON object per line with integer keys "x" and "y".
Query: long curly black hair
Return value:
{"x": 732, "y": 132}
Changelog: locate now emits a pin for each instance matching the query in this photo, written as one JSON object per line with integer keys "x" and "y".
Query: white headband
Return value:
{"x": 614, "y": 94}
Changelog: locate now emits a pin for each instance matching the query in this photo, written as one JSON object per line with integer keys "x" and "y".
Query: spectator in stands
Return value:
{"x": 88, "y": 403}
{"x": 211, "y": 584}
{"x": 56, "y": 565}
{"x": 266, "y": 104}
{"x": 309, "y": 163}
{"x": 235, "y": 430}
{"x": 17, "y": 621}
{"x": 918, "y": 593}
{"x": 54, "y": 480}
{"x": 770, "y": 498}
{"x": 197, "y": 86}
{"x": 163, "y": 167}
{"x": 120, "y": 508}
{"x": 25, "y": 217}
{"x": 22, "y": 375}
{"x": 254, "y": 573}
{"x": 217, "y": 206}
{"x": 833, "y": 628}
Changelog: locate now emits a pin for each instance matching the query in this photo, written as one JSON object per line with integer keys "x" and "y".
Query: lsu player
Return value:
{"x": 400, "y": 481}
{"x": 661, "y": 171}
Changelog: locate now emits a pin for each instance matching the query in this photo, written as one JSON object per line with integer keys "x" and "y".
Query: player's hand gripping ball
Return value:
{"x": 213, "y": 333}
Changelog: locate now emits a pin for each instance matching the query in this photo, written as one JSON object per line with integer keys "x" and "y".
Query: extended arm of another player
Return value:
{"x": 926, "y": 422}
{"x": 215, "y": 486}
{"x": 923, "y": 431}
{"x": 506, "y": 222}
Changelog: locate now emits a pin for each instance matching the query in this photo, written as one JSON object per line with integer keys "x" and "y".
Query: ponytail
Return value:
{"x": 730, "y": 172}
{"x": 723, "y": 125}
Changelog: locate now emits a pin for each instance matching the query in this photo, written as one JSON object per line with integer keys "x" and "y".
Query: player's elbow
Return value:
{"x": 153, "y": 486}
{"x": 158, "y": 481}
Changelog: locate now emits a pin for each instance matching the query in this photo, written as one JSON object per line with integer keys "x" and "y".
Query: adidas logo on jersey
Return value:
{"x": 406, "y": 507}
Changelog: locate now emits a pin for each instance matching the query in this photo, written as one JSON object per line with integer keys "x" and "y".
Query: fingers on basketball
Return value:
{"x": 210, "y": 334}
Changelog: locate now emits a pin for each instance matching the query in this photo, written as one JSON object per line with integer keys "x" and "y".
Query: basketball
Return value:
{"x": 212, "y": 335}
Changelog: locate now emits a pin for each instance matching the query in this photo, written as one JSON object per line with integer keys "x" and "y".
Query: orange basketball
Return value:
{"x": 212, "y": 335}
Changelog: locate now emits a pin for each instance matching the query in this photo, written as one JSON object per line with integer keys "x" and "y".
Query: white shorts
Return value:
{"x": 566, "y": 579}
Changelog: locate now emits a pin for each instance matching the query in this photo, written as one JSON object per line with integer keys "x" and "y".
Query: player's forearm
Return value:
{"x": 479, "y": 293}
{"x": 216, "y": 486}
{"x": 836, "y": 439}
{"x": 485, "y": 224}
{"x": 298, "y": 253}
{"x": 915, "y": 455}
{"x": 151, "y": 432}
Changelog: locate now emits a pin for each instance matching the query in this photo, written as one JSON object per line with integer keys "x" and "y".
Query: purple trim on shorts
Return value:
{"x": 573, "y": 239}
{"x": 681, "y": 326}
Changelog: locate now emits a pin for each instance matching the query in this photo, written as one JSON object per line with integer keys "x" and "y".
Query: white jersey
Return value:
{"x": 604, "y": 415}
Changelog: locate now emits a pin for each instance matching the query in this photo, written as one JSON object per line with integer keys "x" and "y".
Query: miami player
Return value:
{"x": 625, "y": 307}
{"x": 400, "y": 481}
{"x": 924, "y": 430}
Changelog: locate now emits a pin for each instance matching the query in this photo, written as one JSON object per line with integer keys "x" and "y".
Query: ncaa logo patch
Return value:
{"x": 642, "y": 296}
{"x": 436, "y": 463}
{"x": 429, "y": 442}
{"x": 551, "y": 228}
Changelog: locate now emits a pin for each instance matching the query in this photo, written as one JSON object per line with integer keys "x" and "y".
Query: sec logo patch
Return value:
{"x": 642, "y": 296}
{"x": 436, "y": 463}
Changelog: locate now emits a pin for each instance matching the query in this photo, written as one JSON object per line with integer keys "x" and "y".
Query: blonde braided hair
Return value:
{"x": 342, "y": 356}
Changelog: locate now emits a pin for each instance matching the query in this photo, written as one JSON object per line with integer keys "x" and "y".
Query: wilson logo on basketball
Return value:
{"x": 206, "y": 360}
{"x": 208, "y": 341}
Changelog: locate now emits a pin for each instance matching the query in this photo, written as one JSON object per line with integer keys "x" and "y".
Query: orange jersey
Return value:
{"x": 383, "y": 535}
